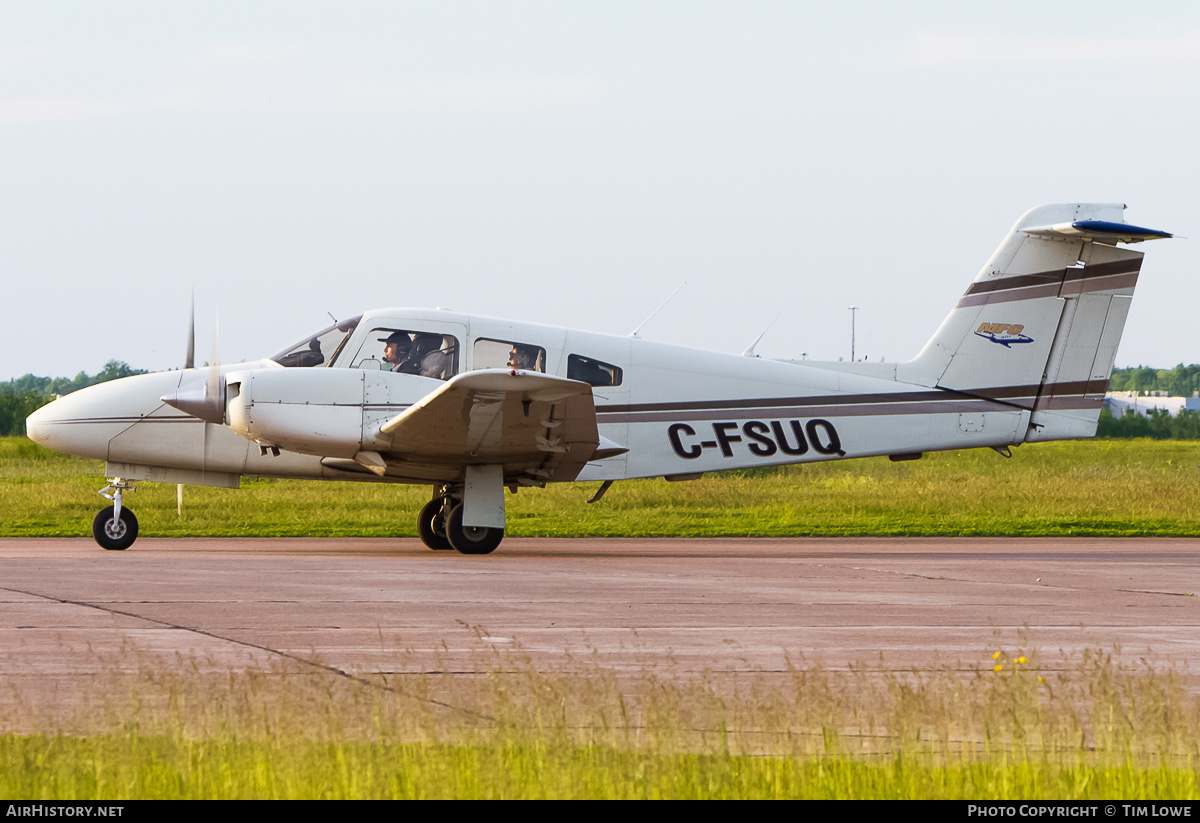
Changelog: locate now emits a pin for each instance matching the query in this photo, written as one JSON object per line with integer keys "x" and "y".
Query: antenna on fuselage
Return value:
{"x": 634, "y": 333}
{"x": 749, "y": 352}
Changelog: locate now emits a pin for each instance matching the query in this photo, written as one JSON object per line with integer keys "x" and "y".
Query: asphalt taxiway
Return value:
{"x": 722, "y": 605}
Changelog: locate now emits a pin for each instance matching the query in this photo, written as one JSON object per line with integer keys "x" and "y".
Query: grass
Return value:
{"x": 148, "y": 729}
{"x": 1089, "y": 487}
{"x": 1095, "y": 728}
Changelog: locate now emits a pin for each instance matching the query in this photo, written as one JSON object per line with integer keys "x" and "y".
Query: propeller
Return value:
{"x": 216, "y": 384}
{"x": 190, "y": 362}
{"x": 204, "y": 399}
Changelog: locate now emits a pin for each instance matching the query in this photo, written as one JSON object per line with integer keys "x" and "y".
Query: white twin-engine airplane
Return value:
{"x": 471, "y": 405}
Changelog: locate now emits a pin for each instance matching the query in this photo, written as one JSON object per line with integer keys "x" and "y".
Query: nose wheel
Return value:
{"x": 115, "y": 532}
{"x": 115, "y": 527}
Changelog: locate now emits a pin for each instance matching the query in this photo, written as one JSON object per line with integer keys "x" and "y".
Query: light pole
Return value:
{"x": 853, "y": 309}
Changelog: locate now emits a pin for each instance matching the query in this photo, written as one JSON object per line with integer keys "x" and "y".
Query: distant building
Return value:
{"x": 1118, "y": 402}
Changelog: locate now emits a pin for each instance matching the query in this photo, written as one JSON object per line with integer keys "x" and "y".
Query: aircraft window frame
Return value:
{"x": 496, "y": 353}
{"x": 372, "y": 347}
{"x": 302, "y": 352}
{"x": 579, "y": 367}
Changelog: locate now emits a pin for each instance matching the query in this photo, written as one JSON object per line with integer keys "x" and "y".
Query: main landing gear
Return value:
{"x": 115, "y": 528}
{"x": 440, "y": 523}
{"x": 441, "y": 528}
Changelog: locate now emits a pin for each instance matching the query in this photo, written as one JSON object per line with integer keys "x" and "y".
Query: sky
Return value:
{"x": 571, "y": 164}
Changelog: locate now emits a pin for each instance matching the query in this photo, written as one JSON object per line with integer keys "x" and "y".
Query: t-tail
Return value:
{"x": 1038, "y": 329}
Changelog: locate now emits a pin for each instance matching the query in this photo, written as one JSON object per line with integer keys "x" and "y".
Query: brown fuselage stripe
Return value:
{"x": 1078, "y": 394}
{"x": 916, "y": 402}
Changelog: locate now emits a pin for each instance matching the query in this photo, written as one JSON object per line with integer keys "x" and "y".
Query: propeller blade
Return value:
{"x": 214, "y": 371}
{"x": 204, "y": 399}
{"x": 190, "y": 363}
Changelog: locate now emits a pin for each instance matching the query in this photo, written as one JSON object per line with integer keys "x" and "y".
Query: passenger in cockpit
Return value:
{"x": 522, "y": 357}
{"x": 427, "y": 355}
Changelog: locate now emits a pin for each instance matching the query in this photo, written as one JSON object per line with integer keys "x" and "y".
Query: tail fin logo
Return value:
{"x": 1003, "y": 333}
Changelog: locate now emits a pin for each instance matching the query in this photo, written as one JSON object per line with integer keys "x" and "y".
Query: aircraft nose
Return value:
{"x": 75, "y": 424}
{"x": 63, "y": 425}
{"x": 38, "y": 425}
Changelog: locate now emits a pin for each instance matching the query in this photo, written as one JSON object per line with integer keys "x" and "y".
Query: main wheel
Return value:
{"x": 471, "y": 539}
{"x": 431, "y": 525}
{"x": 115, "y": 534}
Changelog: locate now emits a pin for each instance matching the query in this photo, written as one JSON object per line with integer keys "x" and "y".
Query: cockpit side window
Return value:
{"x": 507, "y": 354}
{"x": 321, "y": 348}
{"x": 594, "y": 372}
{"x": 406, "y": 351}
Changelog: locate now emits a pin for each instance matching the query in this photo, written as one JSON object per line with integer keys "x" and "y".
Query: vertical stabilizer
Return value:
{"x": 1039, "y": 326}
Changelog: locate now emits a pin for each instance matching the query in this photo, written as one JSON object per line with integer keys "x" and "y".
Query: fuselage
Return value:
{"x": 678, "y": 411}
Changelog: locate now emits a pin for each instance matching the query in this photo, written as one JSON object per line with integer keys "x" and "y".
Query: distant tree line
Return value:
{"x": 1157, "y": 424}
{"x": 22, "y": 396}
{"x": 1181, "y": 381}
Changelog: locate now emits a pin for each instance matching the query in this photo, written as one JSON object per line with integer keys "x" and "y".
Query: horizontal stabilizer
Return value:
{"x": 1102, "y": 231}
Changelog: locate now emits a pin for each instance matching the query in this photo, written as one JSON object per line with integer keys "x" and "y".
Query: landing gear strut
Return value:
{"x": 115, "y": 528}
{"x": 441, "y": 528}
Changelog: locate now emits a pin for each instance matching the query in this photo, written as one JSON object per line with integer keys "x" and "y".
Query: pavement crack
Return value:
{"x": 334, "y": 670}
{"x": 1153, "y": 591}
{"x": 903, "y": 574}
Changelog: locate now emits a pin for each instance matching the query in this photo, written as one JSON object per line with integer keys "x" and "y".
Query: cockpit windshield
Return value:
{"x": 320, "y": 349}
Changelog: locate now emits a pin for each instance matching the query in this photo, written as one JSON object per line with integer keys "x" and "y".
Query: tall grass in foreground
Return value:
{"x": 1087, "y": 487}
{"x": 1006, "y": 729}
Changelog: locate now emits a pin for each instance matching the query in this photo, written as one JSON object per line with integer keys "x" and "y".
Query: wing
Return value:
{"x": 538, "y": 427}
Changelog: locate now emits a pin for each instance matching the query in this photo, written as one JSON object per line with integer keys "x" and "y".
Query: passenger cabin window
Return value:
{"x": 405, "y": 351}
{"x": 592, "y": 371}
{"x": 508, "y": 354}
{"x": 321, "y": 348}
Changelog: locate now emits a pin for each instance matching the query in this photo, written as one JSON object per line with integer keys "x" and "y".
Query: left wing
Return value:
{"x": 538, "y": 427}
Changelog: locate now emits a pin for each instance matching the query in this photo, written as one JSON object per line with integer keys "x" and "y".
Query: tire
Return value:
{"x": 469, "y": 539}
{"x": 431, "y": 526}
{"x": 115, "y": 535}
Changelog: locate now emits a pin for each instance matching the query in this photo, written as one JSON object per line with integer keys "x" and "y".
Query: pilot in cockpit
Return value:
{"x": 396, "y": 350}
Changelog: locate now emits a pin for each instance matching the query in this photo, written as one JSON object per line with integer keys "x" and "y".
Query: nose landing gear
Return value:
{"x": 115, "y": 528}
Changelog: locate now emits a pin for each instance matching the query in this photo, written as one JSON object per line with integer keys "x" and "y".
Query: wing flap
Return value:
{"x": 535, "y": 425}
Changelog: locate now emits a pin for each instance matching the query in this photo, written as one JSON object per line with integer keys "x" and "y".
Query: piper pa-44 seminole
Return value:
{"x": 471, "y": 405}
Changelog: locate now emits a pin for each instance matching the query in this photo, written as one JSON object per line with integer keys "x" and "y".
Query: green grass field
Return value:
{"x": 1089, "y": 487}
{"x": 146, "y": 728}
{"x": 1092, "y": 729}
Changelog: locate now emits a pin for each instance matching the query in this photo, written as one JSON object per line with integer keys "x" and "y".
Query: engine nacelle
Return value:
{"x": 311, "y": 411}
